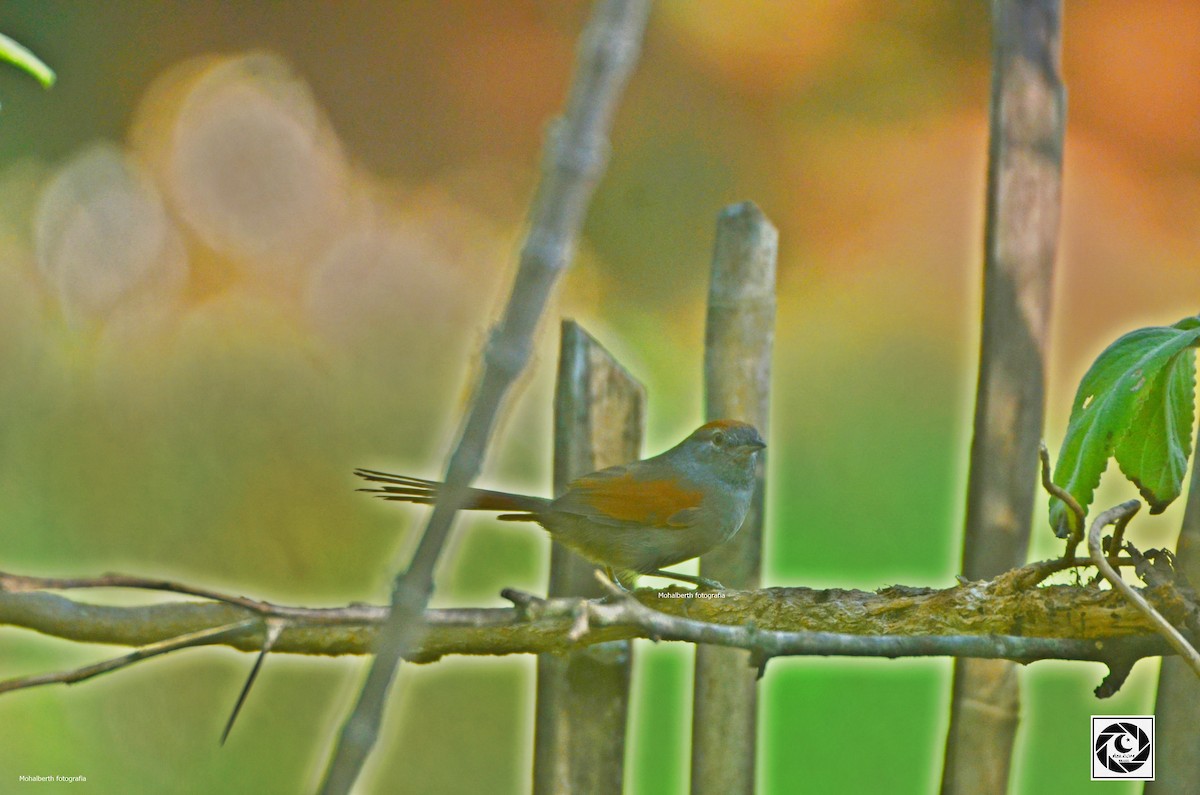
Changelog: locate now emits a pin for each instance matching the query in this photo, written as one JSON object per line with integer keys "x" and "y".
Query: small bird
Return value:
{"x": 632, "y": 518}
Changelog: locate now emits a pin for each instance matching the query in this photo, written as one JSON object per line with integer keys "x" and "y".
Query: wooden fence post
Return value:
{"x": 1177, "y": 706}
{"x": 1025, "y": 147}
{"x": 583, "y": 697}
{"x": 737, "y": 377}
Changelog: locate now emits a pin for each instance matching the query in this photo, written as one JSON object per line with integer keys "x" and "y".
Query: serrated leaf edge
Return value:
{"x": 1087, "y": 393}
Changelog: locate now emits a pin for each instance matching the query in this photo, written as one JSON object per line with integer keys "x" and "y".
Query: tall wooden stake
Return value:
{"x": 1020, "y": 239}
{"x": 737, "y": 380}
{"x": 1177, "y": 708}
{"x": 583, "y": 697}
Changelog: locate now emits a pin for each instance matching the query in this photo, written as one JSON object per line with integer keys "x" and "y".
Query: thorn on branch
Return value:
{"x": 528, "y": 606}
{"x": 1118, "y": 672}
{"x": 274, "y": 629}
{"x": 759, "y": 660}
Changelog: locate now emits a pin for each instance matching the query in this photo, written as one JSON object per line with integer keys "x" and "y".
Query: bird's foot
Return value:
{"x": 616, "y": 580}
{"x": 699, "y": 582}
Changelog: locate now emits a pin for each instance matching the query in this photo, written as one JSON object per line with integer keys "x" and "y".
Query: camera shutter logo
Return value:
{"x": 1123, "y": 747}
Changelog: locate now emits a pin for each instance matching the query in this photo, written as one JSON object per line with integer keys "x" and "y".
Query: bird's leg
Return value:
{"x": 612, "y": 575}
{"x": 699, "y": 582}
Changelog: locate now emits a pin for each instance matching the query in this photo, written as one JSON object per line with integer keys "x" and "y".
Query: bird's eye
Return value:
{"x": 718, "y": 439}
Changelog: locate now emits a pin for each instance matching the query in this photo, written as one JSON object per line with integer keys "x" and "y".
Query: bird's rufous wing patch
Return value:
{"x": 616, "y": 497}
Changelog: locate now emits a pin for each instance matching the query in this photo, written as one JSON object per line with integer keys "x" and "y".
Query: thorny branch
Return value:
{"x": 1007, "y": 617}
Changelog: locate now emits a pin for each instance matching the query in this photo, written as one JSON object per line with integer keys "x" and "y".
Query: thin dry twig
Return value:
{"x": 1055, "y": 490}
{"x": 1123, "y": 513}
{"x": 350, "y": 614}
{"x": 20, "y": 583}
{"x": 200, "y": 638}
{"x": 1043, "y": 569}
{"x": 576, "y": 154}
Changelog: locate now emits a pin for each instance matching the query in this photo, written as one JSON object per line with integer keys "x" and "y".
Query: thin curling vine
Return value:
{"x": 1135, "y": 404}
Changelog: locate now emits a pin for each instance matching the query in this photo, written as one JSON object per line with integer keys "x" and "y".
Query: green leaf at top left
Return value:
{"x": 22, "y": 58}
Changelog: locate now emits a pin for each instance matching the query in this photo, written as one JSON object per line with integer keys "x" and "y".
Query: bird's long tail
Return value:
{"x": 402, "y": 488}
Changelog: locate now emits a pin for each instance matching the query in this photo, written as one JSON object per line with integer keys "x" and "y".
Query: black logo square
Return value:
{"x": 1123, "y": 747}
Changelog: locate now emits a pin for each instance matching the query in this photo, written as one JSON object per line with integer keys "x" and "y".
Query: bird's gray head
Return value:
{"x": 730, "y": 446}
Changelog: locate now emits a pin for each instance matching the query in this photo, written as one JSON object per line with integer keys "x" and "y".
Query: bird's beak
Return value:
{"x": 752, "y": 447}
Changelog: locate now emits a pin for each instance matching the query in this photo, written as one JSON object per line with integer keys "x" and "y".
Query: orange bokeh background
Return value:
{"x": 247, "y": 247}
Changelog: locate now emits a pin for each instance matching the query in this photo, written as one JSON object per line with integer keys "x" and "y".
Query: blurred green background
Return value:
{"x": 245, "y": 247}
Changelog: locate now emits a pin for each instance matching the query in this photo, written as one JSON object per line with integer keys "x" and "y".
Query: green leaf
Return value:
{"x": 1154, "y": 453}
{"x": 22, "y": 58}
{"x": 1134, "y": 402}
